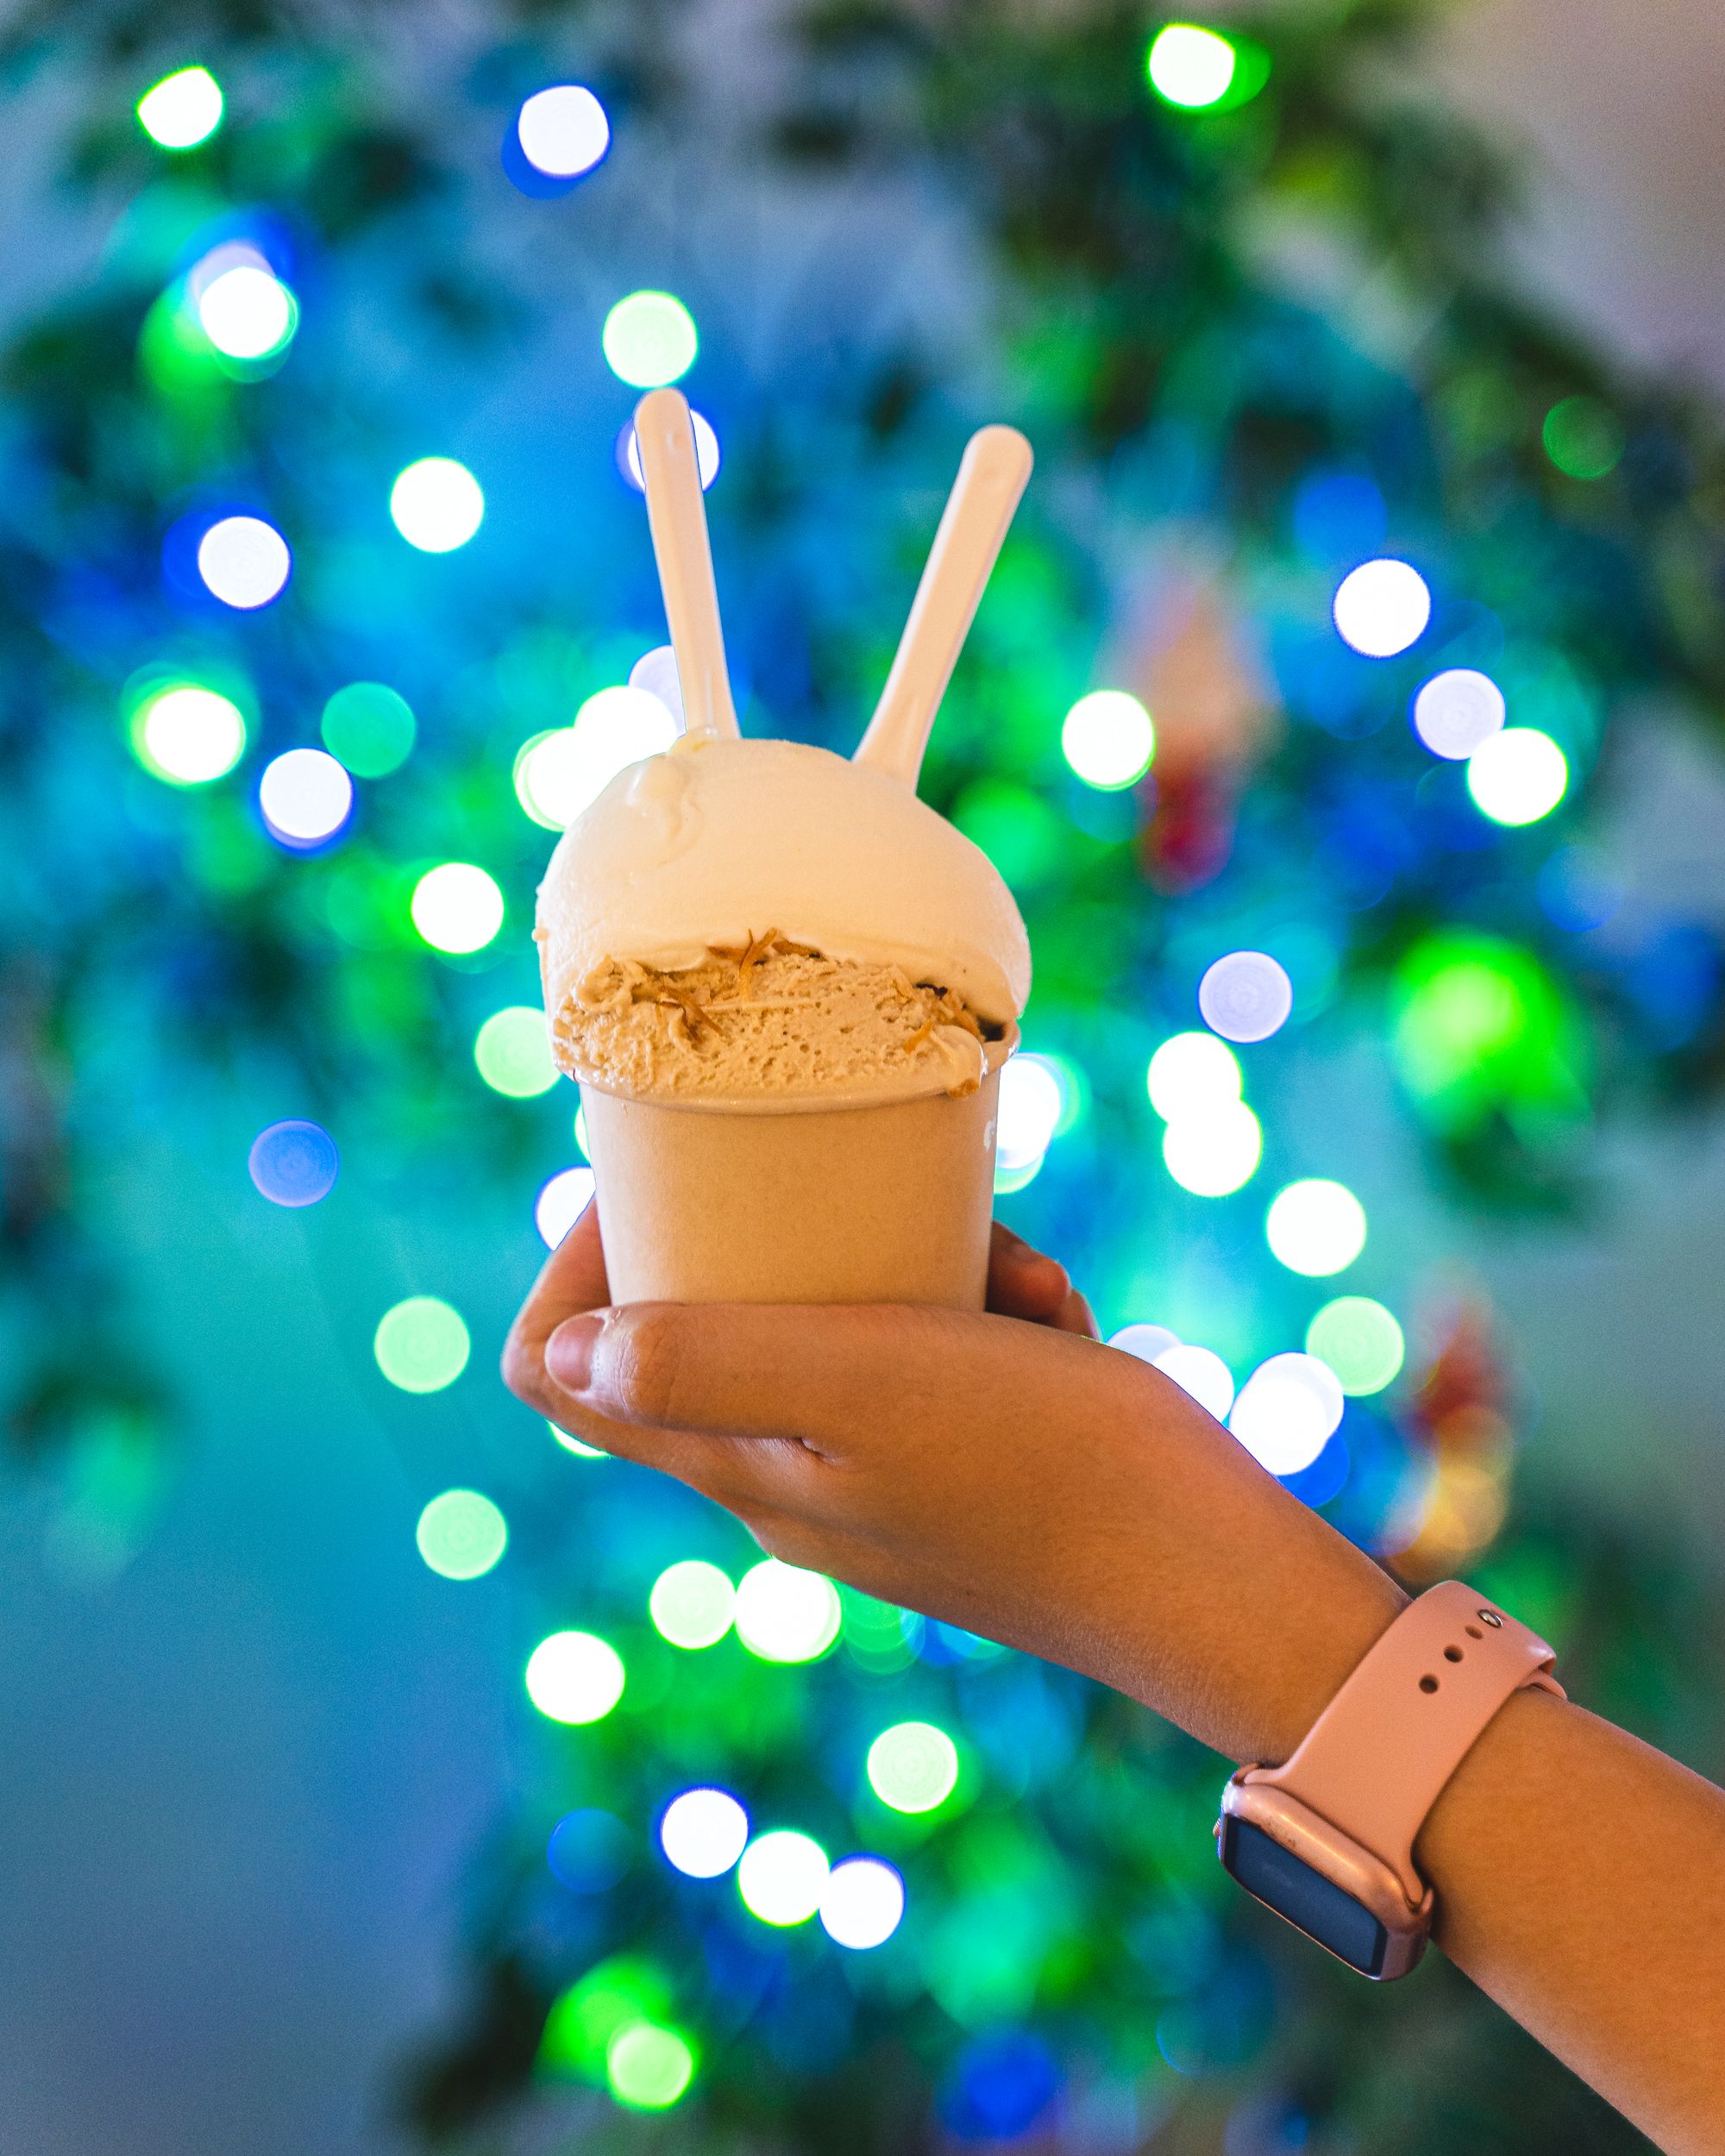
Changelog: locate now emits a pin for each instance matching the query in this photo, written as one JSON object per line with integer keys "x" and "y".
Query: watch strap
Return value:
{"x": 1377, "y": 1759}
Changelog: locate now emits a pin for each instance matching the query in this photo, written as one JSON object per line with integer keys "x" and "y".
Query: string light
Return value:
{"x": 1191, "y": 1073}
{"x": 1316, "y": 1227}
{"x": 912, "y": 1767}
{"x": 188, "y": 737}
{"x": 1286, "y": 1412}
{"x": 783, "y": 1613}
{"x": 781, "y": 1876}
{"x": 369, "y": 728}
{"x": 1108, "y": 739}
{"x": 246, "y": 312}
{"x": 422, "y": 1344}
{"x": 691, "y": 1604}
{"x": 561, "y": 1203}
{"x": 575, "y": 1677}
{"x": 650, "y": 339}
{"x": 306, "y": 797}
{"x": 244, "y": 562}
{"x": 563, "y": 131}
{"x": 1517, "y": 776}
{"x": 456, "y": 907}
{"x": 293, "y": 1163}
{"x": 1213, "y": 1151}
{"x": 1383, "y": 607}
{"x": 862, "y": 1904}
{"x": 649, "y": 2068}
{"x": 703, "y": 1833}
{"x": 707, "y": 458}
{"x": 1202, "y": 1373}
{"x": 184, "y": 109}
{"x": 558, "y": 774}
{"x": 436, "y": 504}
{"x": 1361, "y": 1342}
{"x": 1456, "y": 710}
{"x": 1189, "y": 66}
{"x": 512, "y": 1053}
{"x": 462, "y": 1534}
{"x": 1245, "y": 996}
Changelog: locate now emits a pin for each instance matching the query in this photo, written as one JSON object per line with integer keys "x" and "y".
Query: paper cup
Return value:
{"x": 888, "y": 1203}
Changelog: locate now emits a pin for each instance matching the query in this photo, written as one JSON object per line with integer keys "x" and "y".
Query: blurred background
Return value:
{"x": 378, "y": 1773}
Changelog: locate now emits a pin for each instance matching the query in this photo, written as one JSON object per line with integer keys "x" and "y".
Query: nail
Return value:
{"x": 568, "y": 1352}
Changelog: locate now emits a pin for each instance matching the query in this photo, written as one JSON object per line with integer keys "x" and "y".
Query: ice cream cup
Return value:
{"x": 841, "y": 1200}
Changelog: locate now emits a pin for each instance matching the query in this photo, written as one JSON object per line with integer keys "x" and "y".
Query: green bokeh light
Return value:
{"x": 1201, "y": 70}
{"x": 912, "y": 1766}
{"x": 369, "y": 728}
{"x": 614, "y": 1993}
{"x": 650, "y": 339}
{"x": 691, "y": 1604}
{"x": 462, "y": 1534}
{"x": 512, "y": 1053}
{"x": 649, "y": 2066}
{"x": 1582, "y": 438}
{"x": 422, "y": 1345}
{"x": 1361, "y": 1342}
{"x": 1478, "y": 1027}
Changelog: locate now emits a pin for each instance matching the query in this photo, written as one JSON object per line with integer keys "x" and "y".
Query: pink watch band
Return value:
{"x": 1377, "y": 1759}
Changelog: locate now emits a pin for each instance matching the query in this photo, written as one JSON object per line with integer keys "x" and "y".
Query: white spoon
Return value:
{"x": 991, "y": 477}
{"x": 677, "y": 516}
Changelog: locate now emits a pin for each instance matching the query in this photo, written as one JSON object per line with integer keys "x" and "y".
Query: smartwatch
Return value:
{"x": 1326, "y": 1839}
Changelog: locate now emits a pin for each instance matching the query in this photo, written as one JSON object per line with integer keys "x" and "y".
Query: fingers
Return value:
{"x": 1025, "y": 1283}
{"x": 572, "y": 1279}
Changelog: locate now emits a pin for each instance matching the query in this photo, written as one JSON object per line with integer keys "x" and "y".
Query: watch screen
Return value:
{"x": 1293, "y": 1889}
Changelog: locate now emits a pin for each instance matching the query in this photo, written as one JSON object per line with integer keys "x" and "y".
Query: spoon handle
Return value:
{"x": 677, "y": 516}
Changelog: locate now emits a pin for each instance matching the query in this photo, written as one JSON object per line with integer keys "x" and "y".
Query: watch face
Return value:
{"x": 1305, "y": 1897}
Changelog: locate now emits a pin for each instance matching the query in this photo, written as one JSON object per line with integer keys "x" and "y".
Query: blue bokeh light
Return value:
{"x": 294, "y": 1163}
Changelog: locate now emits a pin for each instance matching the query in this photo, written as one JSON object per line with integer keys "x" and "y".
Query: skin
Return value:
{"x": 1008, "y": 1473}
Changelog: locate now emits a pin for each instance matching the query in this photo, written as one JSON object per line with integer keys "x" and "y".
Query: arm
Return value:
{"x": 1025, "y": 1483}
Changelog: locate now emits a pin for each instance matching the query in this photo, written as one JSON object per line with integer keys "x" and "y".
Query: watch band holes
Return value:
{"x": 1452, "y": 1654}
{"x": 1473, "y": 1632}
{"x": 1428, "y": 1684}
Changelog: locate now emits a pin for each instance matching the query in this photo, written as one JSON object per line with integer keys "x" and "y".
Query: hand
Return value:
{"x": 1005, "y": 1472}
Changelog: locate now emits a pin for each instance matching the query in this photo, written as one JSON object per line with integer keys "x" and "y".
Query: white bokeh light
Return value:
{"x": 1146, "y": 1342}
{"x": 781, "y": 1876}
{"x": 1382, "y": 607}
{"x": 1190, "y": 66}
{"x": 1031, "y": 1105}
{"x": 862, "y": 1902}
{"x": 182, "y": 109}
{"x": 574, "y": 1676}
{"x": 244, "y": 562}
{"x": 1108, "y": 739}
{"x": 1189, "y": 1072}
{"x": 560, "y": 774}
{"x": 1213, "y": 1151}
{"x": 563, "y": 130}
{"x": 707, "y": 458}
{"x": 784, "y": 1613}
{"x": 246, "y": 312}
{"x": 1456, "y": 710}
{"x": 561, "y": 1203}
{"x": 436, "y": 504}
{"x": 703, "y": 1833}
{"x": 1517, "y": 776}
{"x": 457, "y": 907}
{"x": 1286, "y": 1412}
{"x": 1316, "y": 1227}
{"x": 655, "y": 672}
{"x": 1202, "y": 1372}
{"x": 1245, "y": 996}
{"x": 190, "y": 735}
{"x": 305, "y": 796}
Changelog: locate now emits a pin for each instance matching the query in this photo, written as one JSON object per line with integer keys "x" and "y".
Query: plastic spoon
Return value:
{"x": 677, "y": 518}
{"x": 991, "y": 477}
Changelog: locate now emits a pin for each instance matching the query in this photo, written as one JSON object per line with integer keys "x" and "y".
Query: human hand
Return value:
{"x": 1005, "y": 1472}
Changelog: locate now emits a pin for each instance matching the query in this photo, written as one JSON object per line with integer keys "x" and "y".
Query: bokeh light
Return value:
{"x": 1316, "y": 1227}
{"x": 1189, "y": 66}
{"x": 1191, "y": 1073}
{"x": 293, "y": 1163}
{"x": 1458, "y": 710}
{"x": 649, "y": 2068}
{"x": 1031, "y": 1104}
{"x": 656, "y": 671}
{"x": 512, "y": 1053}
{"x": 781, "y": 1876}
{"x": 558, "y": 774}
{"x": 246, "y": 312}
{"x": 563, "y": 1198}
{"x": 571, "y": 1443}
{"x": 1202, "y": 1373}
{"x": 369, "y": 728}
{"x": 1245, "y": 996}
{"x": 707, "y": 458}
{"x": 184, "y": 109}
{"x": 862, "y": 1904}
{"x": 703, "y": 1833}
{"x": 650, "y": 339}
{"x": 305, "y": 796}
{"x": 422, "y": 1344}
{"x": 436, "y": 504}
{"x": 1108, "y": 739}
{"x": 912, "y": 1766}
{"x": 690, "y": 1603}
{"x": 1582, "y": 438}
{"x": 563, "y": 131}
{"x": 244, "y": 562}
{"x": 457, "y": 907}
{"x": 1213, "y": 1151}
{"x": 189, "y": 736}
{"x": 574, "y": 1676}
{"x": 783, "y": 1613}
{"x": 588, "y": 1850}
{"x": 462, "y": 1534}
{"x": 1146, "y": 1342}
{"x": 1361, "y": 1342}
{"x": 1286, "y": 1411}
{"x": 1517, "y": 776}
{"x": 1382, "y": 607}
